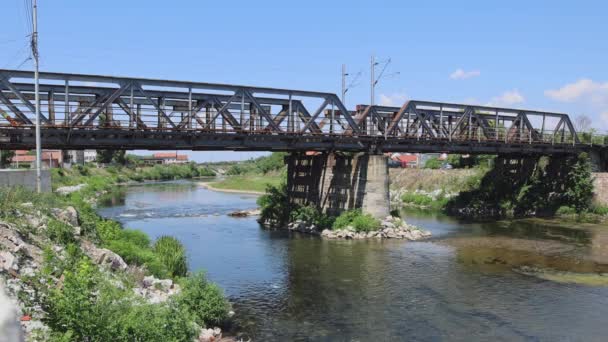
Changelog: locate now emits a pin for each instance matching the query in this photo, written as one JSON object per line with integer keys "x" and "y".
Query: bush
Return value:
{"x": 274, "y": 205}
{"x": 356, "y": 219}
{"x": 60, "y": 232}
{"x": 172, "y": 254}
{"x": 88, "y": 308}
{"x": 565, "y": 210}
{"x": 311, "y": 215}
{"x": 599, "y": 210}
{"x": 416, "y": 198}
{"x": 108, "y": 230}
{"x": 432, "y": 163}
{"x": 205, "y": 301}
{"x": 140, "y": 256}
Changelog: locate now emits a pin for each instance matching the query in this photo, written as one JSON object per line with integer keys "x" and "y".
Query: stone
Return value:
{"x": 68, "y": 215}
{"x": 8, "y": 261}
{"x": 66, "y": 190}
{"x": 104, "y": 257}
{"x": 11, "y": 241}
{"x": 210, "y": 335}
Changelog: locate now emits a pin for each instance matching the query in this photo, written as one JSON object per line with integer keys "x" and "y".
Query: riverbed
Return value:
{"x": 528, "y": 280}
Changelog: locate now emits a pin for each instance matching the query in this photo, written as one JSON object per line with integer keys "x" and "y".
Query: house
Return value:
{"x": 166, "y": 158}
{"x": 49, "y": 158}
{"x": 405, "y": 160}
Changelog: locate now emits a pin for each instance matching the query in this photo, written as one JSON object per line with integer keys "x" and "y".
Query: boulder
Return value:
{"x": 66, "y": 190}
{"x": 11, "y": 241}
{"x": 68, "y": 215}
{"x": 8, "y": 261}
{"x": 104, "y": 257}
{"x": 210, "y": 335}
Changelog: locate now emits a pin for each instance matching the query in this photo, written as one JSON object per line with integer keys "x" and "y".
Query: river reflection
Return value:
{"x": 460, "y": 285}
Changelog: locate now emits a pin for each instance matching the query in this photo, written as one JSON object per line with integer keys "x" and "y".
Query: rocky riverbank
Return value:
{"x": 390, "y": 228}
{"x": 45, "y": 243}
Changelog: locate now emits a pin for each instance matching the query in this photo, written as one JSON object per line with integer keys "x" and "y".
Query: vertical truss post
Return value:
{"x": 51, "y": 105}
{"x": 131, "y": 117}
{"x": 290, "y": 116}
{"x": 66, "y": 103}
{"x": 190, "y": 113}
{"x": 441, "y": 121}
{"x": 496, "y": 125}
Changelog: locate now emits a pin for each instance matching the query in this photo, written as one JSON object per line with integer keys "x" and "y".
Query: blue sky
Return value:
{"x": 548, "y": 55}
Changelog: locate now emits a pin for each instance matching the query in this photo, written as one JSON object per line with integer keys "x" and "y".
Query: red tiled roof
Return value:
{"x": 164, "y": 155}
{"x": 23, "y": 159}
{"x": 407, "y": 158}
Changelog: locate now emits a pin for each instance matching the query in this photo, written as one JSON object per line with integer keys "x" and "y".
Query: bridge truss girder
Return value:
{"x": 79, "y": 107}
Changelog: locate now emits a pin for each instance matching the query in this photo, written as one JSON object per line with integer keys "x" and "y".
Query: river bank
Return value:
{"x": 54, "y": 241}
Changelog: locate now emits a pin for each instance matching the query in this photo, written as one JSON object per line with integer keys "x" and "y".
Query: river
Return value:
{"x": 465, "y": 284}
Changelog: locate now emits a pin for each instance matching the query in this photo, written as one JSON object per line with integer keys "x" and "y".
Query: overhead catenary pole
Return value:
{"x": 344, "y": 74}
{"x": 37, "y": 94}
{"x": 372, "y": 66}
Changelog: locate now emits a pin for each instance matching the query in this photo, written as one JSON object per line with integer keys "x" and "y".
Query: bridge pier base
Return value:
{"x": 334, "y": 183}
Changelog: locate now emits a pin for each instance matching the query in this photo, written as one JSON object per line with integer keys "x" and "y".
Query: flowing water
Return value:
{"x": 528, "y": 280}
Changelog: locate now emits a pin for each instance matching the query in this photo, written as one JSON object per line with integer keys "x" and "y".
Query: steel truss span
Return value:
{"x": 90, "y": 111}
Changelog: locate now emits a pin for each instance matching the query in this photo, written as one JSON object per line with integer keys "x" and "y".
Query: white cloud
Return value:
{"x": 588, "y": 95}
{"x": 394, "y": 100}
{"x": 508, "y": 98}
{"x": 460, "y": 74}
{"x": 581, "y": 90}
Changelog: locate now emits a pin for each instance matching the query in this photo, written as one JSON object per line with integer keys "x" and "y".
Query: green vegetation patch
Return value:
{"x": 257, "y": 183}
{"x": 358, "y": 220}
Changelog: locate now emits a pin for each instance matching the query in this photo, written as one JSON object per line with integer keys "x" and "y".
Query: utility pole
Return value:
{"x": 37, "y": 95}
{"x": 344, "y": 74}
{"x": 353, "y": 82}
{"x": 372, "y": 72}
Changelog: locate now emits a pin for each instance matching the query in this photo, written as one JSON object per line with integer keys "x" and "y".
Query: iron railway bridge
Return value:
{"x": 106, "y": 112}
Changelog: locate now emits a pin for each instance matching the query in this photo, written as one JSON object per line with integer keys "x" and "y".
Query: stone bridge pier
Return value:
{"x": 337, "y": 182}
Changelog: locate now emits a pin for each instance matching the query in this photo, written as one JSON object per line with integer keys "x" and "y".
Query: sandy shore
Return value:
{"x": 249, "y": 192}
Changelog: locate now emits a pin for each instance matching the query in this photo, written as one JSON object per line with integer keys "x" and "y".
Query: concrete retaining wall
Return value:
{"x": 26, "y": 178}
{"x": 601, "y": 187}
{"x": 336, "y": 183}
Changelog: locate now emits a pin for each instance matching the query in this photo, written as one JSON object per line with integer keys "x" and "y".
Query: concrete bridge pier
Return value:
{"x": 335, "y": 182}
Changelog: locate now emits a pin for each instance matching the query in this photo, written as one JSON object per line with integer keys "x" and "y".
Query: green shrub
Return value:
{"x": 60, "y": 232}
{"x": 274, "y": 205}
{"x": 433, "y": 163}
{"x": 311, "y": 215}
{"x": 565, "y": 210}
{"x": 416, "y": 198}
{"x": 140, "y": 256}
{"x": 599, "y": 210}
{"x": 172, "y": 254}
{"x": 356, "y": 219}
{"x": 136, "y": 237}
{"x": 88, "y": 308}
{"x": 365, "y": 223}
{"x": 108, "y": 230}
{"x": 205, "y": 301}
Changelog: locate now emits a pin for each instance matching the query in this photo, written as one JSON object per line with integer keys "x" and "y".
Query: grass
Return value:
{"x": 257, "y": 183}
{"x": 425, "y": 201}
{"x": 455, "y": 180}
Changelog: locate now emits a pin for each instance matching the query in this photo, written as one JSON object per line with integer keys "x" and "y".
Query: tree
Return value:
{"x": 579, "y": 185}
{"x": 5, "y": 157}
{"x": 582, "y": 123}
